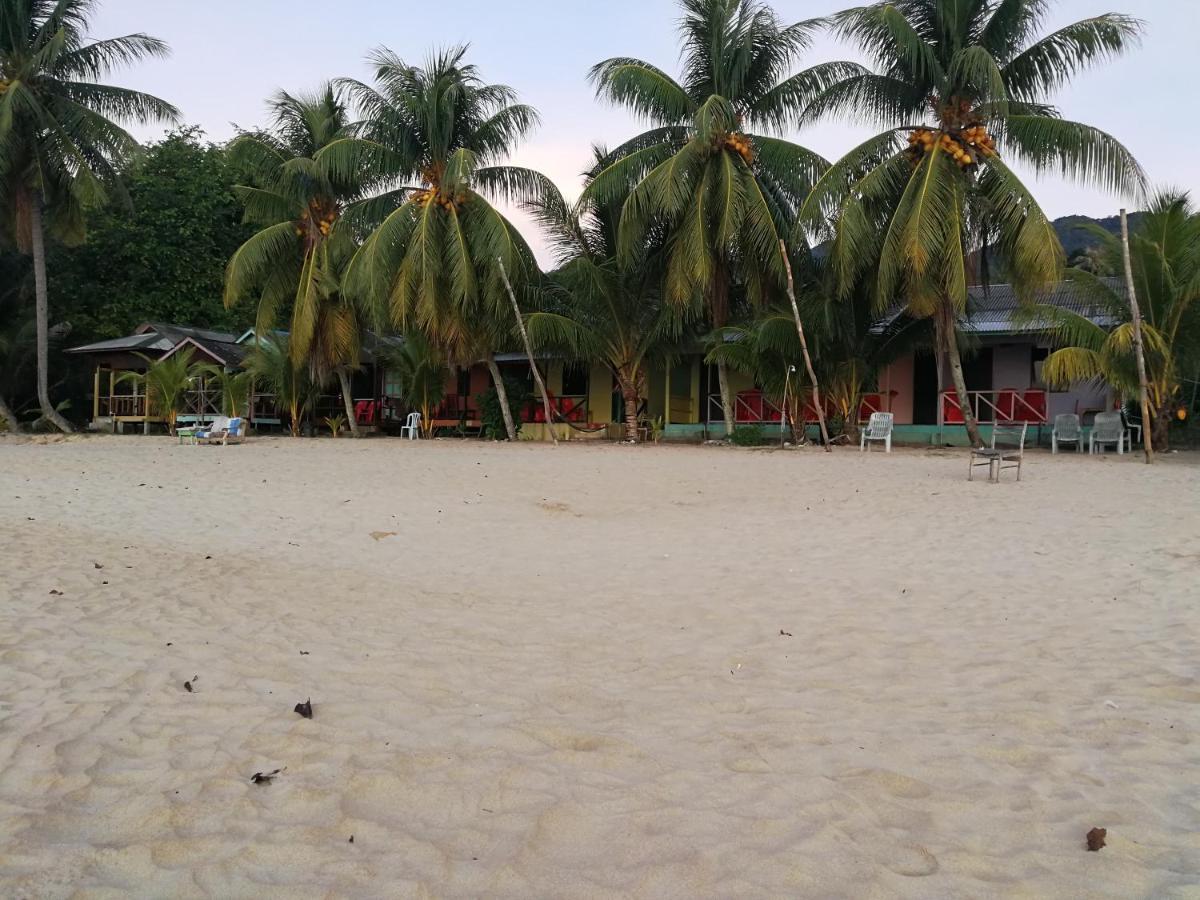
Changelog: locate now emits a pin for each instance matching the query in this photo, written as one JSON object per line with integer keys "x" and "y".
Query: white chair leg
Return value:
{"x": 1053, "y": 444}
{"x": 887, "y": 444}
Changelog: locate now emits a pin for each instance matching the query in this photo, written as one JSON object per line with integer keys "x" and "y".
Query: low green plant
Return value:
{"x": 747, "y": 436}
{"x": 656, "y": 429}
{"x": 491, "y": 415}
{"x": 335, "y": 424}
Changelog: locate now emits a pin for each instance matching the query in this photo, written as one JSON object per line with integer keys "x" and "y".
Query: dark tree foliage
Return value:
{"x": 160, "y": 257}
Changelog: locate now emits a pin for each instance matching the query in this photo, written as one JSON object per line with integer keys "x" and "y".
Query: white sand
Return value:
{"x": 563, "y": 675}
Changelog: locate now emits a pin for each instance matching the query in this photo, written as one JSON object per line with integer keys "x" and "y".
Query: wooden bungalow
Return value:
{"x": 117, "y": 404}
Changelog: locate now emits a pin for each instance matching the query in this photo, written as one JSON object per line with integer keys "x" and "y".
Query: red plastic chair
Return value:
{"x": 1034, "y": 407}
{"x": 1006, "y": 405}
{"x": 749, "y": 407}
{"x": 871, "y": 403}
{"x": 952, "y": 413}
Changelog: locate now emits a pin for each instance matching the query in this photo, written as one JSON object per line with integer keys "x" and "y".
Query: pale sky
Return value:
{"x": 230, "y": 55}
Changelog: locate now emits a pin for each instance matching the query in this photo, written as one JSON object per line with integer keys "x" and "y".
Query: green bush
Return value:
{"x": 747, "y": 436}
{"x": 490, "y": 414}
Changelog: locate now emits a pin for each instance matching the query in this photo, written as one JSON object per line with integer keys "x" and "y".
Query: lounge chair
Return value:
{"x": 879, "y": 428}
{"x": 1007, "y": 451}
{"x": 232, "y": 432}
{"x": 1066, "y": 431}
{"x": 411, "y": 427}
{"x": 1108, "y": 428}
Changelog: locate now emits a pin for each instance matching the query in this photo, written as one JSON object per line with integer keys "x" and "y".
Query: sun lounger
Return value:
{"x": 224, "y": 431}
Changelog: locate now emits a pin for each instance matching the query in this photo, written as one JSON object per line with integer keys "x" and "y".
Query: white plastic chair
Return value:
{"x": 879, "y": 428}
{"x": 412, "y": 426}
{"x": 1109, "y": 428}
{"x": 1066, "y": 431}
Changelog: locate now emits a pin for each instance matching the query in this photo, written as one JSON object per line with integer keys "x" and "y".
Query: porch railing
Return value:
{"x": 566, "y": 408}
{"x": 1002, "y": 406}
{"x": 755, "y": 408}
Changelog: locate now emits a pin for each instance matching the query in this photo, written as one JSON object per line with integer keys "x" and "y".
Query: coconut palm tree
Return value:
{"x": 711, "y": 173}
{"x": 1165, "y": 252}
{"x": 61, "y": 146}
{"x": 421, "y": 372}
{"x": 166, "y": 382}
{"x": 270, "y": 365}
{"x": 433, "y": 262}
{"x": 598, "y": 310}
{"x": 296, "y": 263}
{"x": 234, "y": 387}
{"x": 959, "y": 87}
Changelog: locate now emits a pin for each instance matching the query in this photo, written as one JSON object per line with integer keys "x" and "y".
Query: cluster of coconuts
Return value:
{"x": 323, "y": 217}
{"x": 964, "y": 145}
{"x": 425, "y": 197}
{"x": 741, "y": 145}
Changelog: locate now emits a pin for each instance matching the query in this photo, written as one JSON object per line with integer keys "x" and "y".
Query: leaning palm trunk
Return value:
{"x": 502, "y": 396}
{"x": 351, "y": 418}
{"x": 6, "y": 413}
{"x": 537, "y": 374}
{"x": 948, "y": 337}
{"x": 726, "y": 396}
{"x": 812, "y": 374}
{"x": 43, "y": 318}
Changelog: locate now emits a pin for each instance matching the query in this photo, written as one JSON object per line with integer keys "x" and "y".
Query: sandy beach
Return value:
{"x": 593, "y": 671}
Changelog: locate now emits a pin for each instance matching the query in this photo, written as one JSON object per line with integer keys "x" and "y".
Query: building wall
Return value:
{"x": 1012, "y": 366}
{"x": 898, "y": 377}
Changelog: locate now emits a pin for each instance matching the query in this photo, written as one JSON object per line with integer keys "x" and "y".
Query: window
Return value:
{"x": 575, "y": 381}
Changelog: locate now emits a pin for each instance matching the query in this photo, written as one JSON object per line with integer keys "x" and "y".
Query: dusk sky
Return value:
{"x": 229, "y": 55}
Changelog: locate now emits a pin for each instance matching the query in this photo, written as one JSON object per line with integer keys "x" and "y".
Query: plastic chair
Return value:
{"x": 1066, "y": 431}
{"x": 879, "y": 428}
{"x": 1109, "y": 428}
{"x": 412, "y": 426}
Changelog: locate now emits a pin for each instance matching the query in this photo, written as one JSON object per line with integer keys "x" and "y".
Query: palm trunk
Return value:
{"x": 351, "y": 419}
{"x": 726, "y": 396}
{"x": 812, "y": 374}
{"x": 949, "y": 336}
{"x": 10, "y": 418}
{"x": 37, "y": 239}
{"x": 1160, "y": 425}
{"x": 719, "y": 313}
{"x": 502, "y": 395}
{"x": 630, "y": 395}
{"x": 537, "y": 375}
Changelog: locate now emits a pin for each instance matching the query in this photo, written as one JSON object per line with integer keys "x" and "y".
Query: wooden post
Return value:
{"x": 1147, "y": 444}
{"x": 96, "y": 394}
{"x": 816, "y": 391}
{"x": 537, "y": 375}
{"x": 667, "y": 399}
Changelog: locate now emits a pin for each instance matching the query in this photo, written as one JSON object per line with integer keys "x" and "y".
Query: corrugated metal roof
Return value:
{"x": 994, "y": 310}
{"x": 155, "y": 337}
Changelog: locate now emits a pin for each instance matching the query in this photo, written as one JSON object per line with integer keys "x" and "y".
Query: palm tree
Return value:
{"x": 61, "y": 146}
{"x": 721, "y": 194}
{"x": 1165, "y": 251}
{"x": 270, "y": 365}
{"x": 433, "y": 261}
{"x": 421, "y": 372}
{"x": 166, "y": 382}
{"x": 296, "y": 263}
{"x": 968, "y": 82}
{"x": 599, "y": 310}
{"x": 234, "y": 387}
